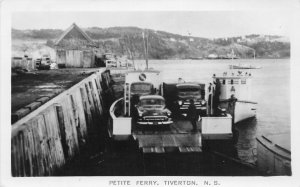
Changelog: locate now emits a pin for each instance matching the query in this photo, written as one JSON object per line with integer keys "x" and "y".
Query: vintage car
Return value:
{"x": 190, "y": 91}
{"x": 151, "y": 110}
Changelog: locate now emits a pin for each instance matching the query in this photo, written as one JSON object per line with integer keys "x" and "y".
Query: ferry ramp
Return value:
{"x": 176, "y": 138}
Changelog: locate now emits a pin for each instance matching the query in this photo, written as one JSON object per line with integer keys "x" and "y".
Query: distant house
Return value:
{"x": 74, "y": 48}
{"x": 212, "y": 56}
{"x": 172, "y": 39}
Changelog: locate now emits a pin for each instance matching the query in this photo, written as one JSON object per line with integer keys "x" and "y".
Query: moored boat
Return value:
{"x": 244, "y": 67}
{"x": 234, "y": 92}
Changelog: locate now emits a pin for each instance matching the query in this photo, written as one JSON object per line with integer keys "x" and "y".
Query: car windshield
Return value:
{"x": 190, "y": 89}
{"x": 141, "y": 88}
{"x": 151, "y": 102}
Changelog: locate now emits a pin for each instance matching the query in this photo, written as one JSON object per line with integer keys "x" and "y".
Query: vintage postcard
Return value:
{"x": 149, "y": 93}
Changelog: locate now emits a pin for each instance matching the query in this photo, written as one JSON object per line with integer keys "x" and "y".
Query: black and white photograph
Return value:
{"x": 141, "y": 93}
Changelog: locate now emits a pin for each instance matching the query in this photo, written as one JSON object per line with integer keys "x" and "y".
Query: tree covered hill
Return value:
{"x": 164, "y": 45}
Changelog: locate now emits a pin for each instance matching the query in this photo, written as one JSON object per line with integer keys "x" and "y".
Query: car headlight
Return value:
{"x": 140, "y": 113}
{"x": 180, "y": 102}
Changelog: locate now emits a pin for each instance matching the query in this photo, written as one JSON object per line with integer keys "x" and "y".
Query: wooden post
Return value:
{"x": 100, "y": 97}
{"x": 92, "y": 105}
{"x": 87, "y": 111}
{"x": 61, "y": 123}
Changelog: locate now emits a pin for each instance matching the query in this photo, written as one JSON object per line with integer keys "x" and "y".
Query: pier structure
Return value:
{"x": 45, "y": 140}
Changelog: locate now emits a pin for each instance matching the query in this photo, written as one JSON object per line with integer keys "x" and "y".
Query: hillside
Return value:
{"x": 162, "y": 45}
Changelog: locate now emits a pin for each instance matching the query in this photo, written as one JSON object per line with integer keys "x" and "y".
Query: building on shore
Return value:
{"x": 75, "y": 49}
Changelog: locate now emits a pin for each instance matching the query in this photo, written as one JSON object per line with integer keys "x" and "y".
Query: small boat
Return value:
{"x": 243, "y": 67}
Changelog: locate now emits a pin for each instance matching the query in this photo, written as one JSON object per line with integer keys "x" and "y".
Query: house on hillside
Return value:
{"x": 212, "y": 56}
{"x": 74, "y": 48}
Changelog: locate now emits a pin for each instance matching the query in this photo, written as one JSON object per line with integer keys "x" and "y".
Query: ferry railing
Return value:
{"x": 121, "y": 125}
{"x": 217, "y": 127}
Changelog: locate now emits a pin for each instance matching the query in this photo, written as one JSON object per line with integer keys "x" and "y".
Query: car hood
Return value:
{"x": 155, "y": 112}
{"x": 184, "y": 97}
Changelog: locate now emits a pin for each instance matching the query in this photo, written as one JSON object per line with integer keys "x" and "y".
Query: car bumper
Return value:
{"x": 155, "y": 122}
{"x": 197, "y": 108}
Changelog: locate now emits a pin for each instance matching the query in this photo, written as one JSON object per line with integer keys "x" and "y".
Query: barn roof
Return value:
{"x": 75, "y": 27}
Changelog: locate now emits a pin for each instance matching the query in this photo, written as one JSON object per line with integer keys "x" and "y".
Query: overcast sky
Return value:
{"x": 211, "y": 24}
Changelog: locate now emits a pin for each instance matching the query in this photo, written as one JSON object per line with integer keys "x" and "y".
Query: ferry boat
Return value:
{"x": 233, "y": 91}
{"x": 142, "y": 108}
{"x": 150, "y": 131}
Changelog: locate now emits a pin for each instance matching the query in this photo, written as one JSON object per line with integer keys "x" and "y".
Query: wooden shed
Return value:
{"x": 74, "y": 48}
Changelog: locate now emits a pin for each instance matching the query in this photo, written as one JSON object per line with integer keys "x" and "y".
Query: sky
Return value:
{"x": 209, "y": 24}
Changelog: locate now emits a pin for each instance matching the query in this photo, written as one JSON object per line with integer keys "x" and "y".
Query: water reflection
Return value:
{"x": 246, "y": 144}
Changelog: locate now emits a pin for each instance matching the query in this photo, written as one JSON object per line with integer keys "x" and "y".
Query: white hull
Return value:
{"x": 243, "y": 67}
{"x": 214, "y": 128}
{"x": 244, "y": 110}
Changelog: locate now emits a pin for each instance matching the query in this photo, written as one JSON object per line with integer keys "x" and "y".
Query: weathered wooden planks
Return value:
{"x": 44, "y": 140}
{"x": 159, "y": 143}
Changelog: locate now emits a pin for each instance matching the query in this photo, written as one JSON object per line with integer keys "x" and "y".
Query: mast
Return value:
{"x": 147, "y": 49}
{"x": 145, "y": 39}
{"x": 129, "y": 48}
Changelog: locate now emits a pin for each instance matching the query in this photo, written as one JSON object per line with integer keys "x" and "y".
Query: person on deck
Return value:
{"x": 192, "y": 115}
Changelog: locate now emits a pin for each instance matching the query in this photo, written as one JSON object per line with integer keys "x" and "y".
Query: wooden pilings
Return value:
{"x": 44, "y": 140}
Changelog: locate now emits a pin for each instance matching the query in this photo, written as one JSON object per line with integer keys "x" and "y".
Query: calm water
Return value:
{"x": 270, "y": 88}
